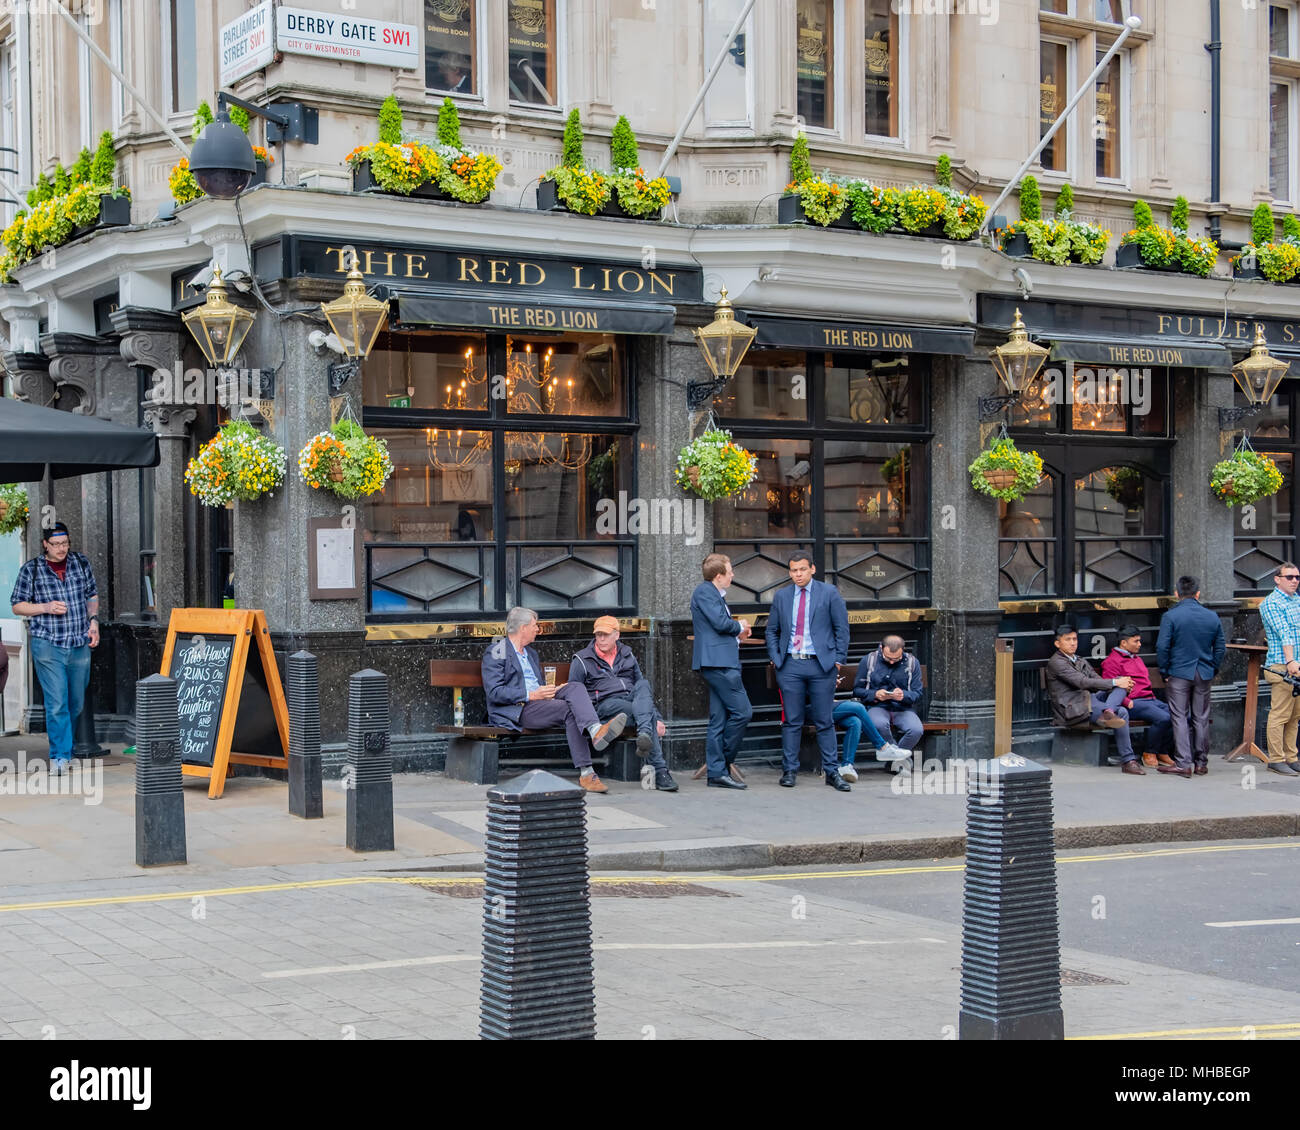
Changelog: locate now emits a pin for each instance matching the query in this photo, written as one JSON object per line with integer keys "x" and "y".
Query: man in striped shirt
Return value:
{"x": 58, "y": 593}
{"x": 1280, "y": 611}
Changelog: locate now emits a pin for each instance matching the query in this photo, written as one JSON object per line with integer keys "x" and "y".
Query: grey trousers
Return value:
{"x": 1189, "y": 709}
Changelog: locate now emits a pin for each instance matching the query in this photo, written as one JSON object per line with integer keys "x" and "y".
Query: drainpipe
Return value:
{"x": 1215, "y": 48}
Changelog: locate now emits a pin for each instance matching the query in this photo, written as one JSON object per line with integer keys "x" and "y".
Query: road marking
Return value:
{"x": 1238, "y": 1029}
{"x": 1259, "y": 922}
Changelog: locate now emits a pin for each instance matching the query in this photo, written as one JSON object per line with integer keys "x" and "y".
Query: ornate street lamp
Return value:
{"x": 356, "y": 320}
{"x": 724, "y": 343}
{"x": 1258, "y": 377}
{"x": 219, "y": 326}
{"x": 1017, "y": 361}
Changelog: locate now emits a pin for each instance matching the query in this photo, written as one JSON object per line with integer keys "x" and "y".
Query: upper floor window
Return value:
{"x": 728, "y": 100}
{"x": 815, "y": 63}
{"x": 1109, "y": 118}
{"x": 533, "y": 39}
{"x": 1283, "y": 30}
{"x": 184, "y": 55}
{"x": 451, "y": 46}
{"x": 1053, "y": 81}
{"x": 881, "y": 68}
{"x": 1102, "y": 11}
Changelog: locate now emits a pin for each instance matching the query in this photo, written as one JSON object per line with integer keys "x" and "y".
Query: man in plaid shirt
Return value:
{"x": 1280, "y": 611}
{"x": 58, "y": 593}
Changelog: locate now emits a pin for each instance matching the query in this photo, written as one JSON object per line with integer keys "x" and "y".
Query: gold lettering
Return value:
{"x": 366, "y": 270}
{"x": 469, "y": 269}
{"x": 605, "y": 272}
{"x": 504, "y": 315}
{"x": 389, "y": 258}
{"x": 340, "y": 269}
{"x": 1181, "y": 320}
{"x": 836, "y": 337}
{"x": 577, "y": 280}
{"x": 1241, "y": 327}
{"x": 1288, "y": 332}
{"x": 657, "y": 278}
{"x": 523, "y": 274}
{"x": 410, "y": 266}
{"x": 498, "y": 267}
{"x": 1165, "y": 319}
{"x": 640, "y": 282}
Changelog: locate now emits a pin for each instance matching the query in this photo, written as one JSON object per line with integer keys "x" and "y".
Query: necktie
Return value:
{"x": 799, "y": 621}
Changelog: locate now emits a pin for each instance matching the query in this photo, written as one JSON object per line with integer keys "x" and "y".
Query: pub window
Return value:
{"x": 184, "y": 52}
{"x": 1282, "y": 31}
{"x": 493, "y": 502}
{"x": 1027, "y": 543}
{"x": 1053, "y": 93}
{"x": 881, "y": 66}
{"x": 842, "y": 472}
{"x": 1264, "y": 534}
{"x": 1108, "y": 122}
{"x": 729, "y": 100}
{"x": 451, "y": 46}
{"x": 1119, "y": 531}
{"x": 530, "y": 27}
{"x": 1073, "y": 397}
{"x": 815, "y": 62}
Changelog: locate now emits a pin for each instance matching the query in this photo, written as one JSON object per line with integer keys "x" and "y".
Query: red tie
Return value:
{"x": 799, "y": 621}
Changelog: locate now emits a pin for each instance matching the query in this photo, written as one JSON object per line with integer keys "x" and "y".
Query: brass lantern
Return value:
{"x": 219, "y": 326}
{"x": 1018, "y": 360}
{"x": 1259, "y": 374}
{"x": 355, "y": 317}
{"x": 724, "y": 341}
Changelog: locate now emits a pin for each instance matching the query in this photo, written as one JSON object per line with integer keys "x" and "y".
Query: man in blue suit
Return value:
{"x": 1189, "y": 650}
{"x": 518, "y": 699}
{"x": 716, "y": 656}
{"x": 807, "y": 635}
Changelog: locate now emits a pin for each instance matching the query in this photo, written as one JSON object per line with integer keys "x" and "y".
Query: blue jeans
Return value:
{"x": 853, "y": 716}
{"x": 1103, "y": 700}
{"x": 1160, "y": 735}
{"x": 63, "y": 673}
{"x": 729, "y": 715}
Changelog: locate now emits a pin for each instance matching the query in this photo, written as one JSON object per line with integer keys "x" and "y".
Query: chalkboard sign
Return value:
{"x": 201, "y": 668}
{"x": 232, "y": 708}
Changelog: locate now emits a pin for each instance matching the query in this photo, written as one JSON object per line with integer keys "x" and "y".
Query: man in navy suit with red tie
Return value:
{"x": 807, "y": 635}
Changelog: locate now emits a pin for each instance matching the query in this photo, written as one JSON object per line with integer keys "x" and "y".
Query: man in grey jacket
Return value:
{"x": 1080, "y": 696}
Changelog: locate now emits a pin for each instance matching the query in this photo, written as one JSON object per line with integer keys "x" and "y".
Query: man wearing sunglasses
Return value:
{"x": 58, "y": 593}
{"x": 1280, "y": 611}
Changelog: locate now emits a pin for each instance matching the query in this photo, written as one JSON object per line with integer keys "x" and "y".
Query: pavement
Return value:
{"x": 439, "y": 823}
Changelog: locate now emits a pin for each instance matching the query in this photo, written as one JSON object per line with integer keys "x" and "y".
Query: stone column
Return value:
{"x": 964, "y": 556}
{"x": 171, "y": 424}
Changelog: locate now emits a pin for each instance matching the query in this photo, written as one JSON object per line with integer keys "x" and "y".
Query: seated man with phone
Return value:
{"x": 519, "y": 699}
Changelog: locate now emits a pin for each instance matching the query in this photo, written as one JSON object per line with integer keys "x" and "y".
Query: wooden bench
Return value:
{"x": 1086, "y": 744}
{"x": 474, "y": 752}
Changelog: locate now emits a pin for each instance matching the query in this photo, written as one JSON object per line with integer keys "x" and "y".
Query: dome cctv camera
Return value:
{"x": 201, "y": 280}
{"x": 1026, "y": 283}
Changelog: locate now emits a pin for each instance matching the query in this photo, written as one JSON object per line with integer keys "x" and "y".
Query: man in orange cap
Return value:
{"x": 613, "y": 678}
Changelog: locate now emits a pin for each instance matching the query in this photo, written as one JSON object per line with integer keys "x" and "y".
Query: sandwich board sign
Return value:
{"x": 232, "y": 706}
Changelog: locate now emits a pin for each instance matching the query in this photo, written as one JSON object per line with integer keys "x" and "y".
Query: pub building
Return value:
{"x": 534, "y": 366}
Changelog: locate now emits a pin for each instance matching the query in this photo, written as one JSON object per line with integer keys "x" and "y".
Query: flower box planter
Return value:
{"x": 259, "y": 175}
{"x": 934, "y": 231}
{"x": 1240, "y": 272}
{"x": 1130, "y": 255}
{"x": 114, "y": 212}
{"x": 1017, "y": 246}
{"x": 789, "y": 210}
{"x": 548, "y": 200}
{"x": 363, "y": 180}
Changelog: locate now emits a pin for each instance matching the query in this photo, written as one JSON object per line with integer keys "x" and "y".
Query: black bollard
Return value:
{"x": 85, "y": 744}
{"x": 1011, "y": 948}
{"x": 537, "y": 981}
{"x": 368, "y": 775}
{"x": 302, "y": 691}
{"x": 159, "y": 796}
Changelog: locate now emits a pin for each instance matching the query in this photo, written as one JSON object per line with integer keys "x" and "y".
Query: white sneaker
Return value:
{"x": 848, "y": 773}
{"x": 59, "y": 766}
{"x": 891, "y": 752}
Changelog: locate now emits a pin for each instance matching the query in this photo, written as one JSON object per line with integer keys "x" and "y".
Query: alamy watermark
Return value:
{"x": 1082, "y": 384}
{"x": 659, "y": 517}
{"x": 31, "y": 777}
{"x": 226, "y": 387}
{"x": 987, "y": 10}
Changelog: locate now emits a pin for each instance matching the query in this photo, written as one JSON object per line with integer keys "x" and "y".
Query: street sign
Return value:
{"x": 300, "y": 31}
{"x": 247, "y": 44}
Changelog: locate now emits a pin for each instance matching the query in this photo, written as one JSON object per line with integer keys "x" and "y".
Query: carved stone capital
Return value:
{"x": 151, "y": 349}
{"x": 169, "y": 421}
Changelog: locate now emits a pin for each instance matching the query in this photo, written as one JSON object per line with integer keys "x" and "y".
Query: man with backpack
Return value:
{"x": 889, "y": 683}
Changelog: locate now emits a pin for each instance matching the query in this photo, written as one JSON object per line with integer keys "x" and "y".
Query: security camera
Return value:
{"x": 201, "y": 280}
{"x": 242, "y": 281}
{"x": 1026, "y": 283}
{"x": 319, "y": 340}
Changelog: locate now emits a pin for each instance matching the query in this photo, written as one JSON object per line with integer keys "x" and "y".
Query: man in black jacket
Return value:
{"x": 613, "y": 678}
{"x": 1189, "y": 651}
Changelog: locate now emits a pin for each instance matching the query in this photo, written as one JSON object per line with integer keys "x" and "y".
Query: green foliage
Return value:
{"x": 572, "y": 156}
{"x": 623, "y": 152}
{"x": 585, "y": 191}
{"x": 800, "y": 163}
{"x": 41, "y": 191}
{"x": 823, "y": 201}
{"x": 80, "y": 173}
{"x": 1178, "y": 218}
{"x": 1291, "y": 228}
{"x": 13, "y": 508}
{"x": 449, "y": 124}
{"x": 873, "y": 208}
{"x": 61, "y": 183}
{"x": 1027, "y": 466}
{"x": 1245, "y": 476}
{"x": 943, "y": 171}
{"x": 103, "y": 165}
{"x": 1063, "y": 240}
{"x": 239, "y": 116}
{"x": 390, "y": 121}
{"x": 1031, "y": 199}
{"x": 1261, "y": 224}
{"x": 1142, "y": 217}
{"x": 202, "y": 117}
{"x": 1064, "y": 202}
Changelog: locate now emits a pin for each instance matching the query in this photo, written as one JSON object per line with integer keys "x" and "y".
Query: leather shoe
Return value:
{"x": 1149, "y": 760}
{"x": 725, "y": 783}
{"x": 838, "y": 783}
{"x": 1175, "y": 771}
{"x": 1201, "y": 770}
{"x": 1111, "y": 719}
{"x": 643, "y": 745}
{"x": 1134, "y": 768}
{"x": 1165, "y": 759}
{"x": 608, "y": 732}
{"x": 788, "y": 779}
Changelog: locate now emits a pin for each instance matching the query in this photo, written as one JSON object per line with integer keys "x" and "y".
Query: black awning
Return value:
{"x": 848, "y": 336}
{"x": 32, "y": 437}
{"x": 543, "y": 315}
{"x": 1117, "y": 353}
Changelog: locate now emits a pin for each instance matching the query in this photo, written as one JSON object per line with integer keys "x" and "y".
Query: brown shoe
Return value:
{"x": 1111, "y": 719}
{"x": 1149, "y": 760}
{"x": 1175, "y": 771}
{"x": 593, "y": 784}
{"x": 1201, "y": 770}
{"x": 734, "y": 770}
{"x": 1165, "y": 759}
{"x": 1134, "y": 768}
{"x": 699, "y": 772}
{"x": 608, "y": 732}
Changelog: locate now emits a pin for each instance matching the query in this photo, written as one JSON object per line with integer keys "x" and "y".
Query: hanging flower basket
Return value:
{"x": 714, "y": 466}
{"x": 237, "y": 463}
{"x": 1005, "y": 472}
{"x": 1245, "y": 476}
{"x": 13, "y": 508}
{"x": 1125, "y": 486}
{"x": 345, "y": 461}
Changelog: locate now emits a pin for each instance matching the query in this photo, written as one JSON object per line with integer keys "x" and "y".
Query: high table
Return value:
{"x": 1255, "y": 659}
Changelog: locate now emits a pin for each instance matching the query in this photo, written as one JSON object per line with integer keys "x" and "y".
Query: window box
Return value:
{"x": 548, "y": 200}
{"x": 363, "y": 180}
{"x": 1240, "y": 272}
{"x": 1017, "y": 246}
{"x": 789, "y": 210}
{"x": 1130, "y": 255}
{"x": 114, "y": 211}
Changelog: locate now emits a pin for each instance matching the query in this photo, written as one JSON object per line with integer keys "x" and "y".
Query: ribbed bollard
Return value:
{"x": 537, "y": 972}
{"x": 302, "y": 692}
{"x": 1011, "y": 949}
{"x": 368, "y": 779}
{"x": 159, "y": 796}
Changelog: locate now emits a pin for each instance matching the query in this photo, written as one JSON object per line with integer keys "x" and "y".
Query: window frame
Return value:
{"x": 1293, "y": 33}
{"x": 725, "y": 127}
{"x": 901, "y": 85}
{"x": 1123, "y": 115}
{"x": 478, "y": 57}
{"x": 1070, "y": 143}
{"x": 836, "y": 86}
{"x": 559, "y": 57}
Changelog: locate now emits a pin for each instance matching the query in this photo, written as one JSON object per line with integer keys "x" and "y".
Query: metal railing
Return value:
{"x": 867, "y": 571}
{"x": 1255, "y": 560}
